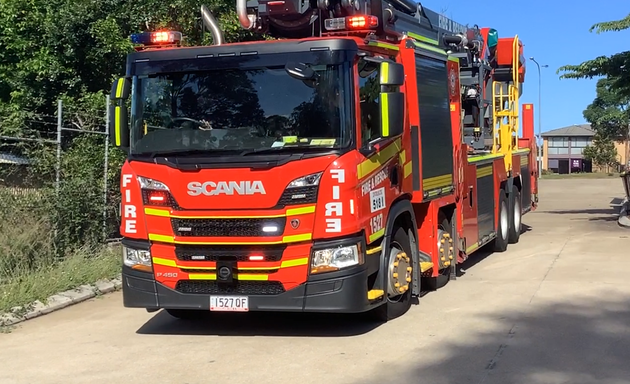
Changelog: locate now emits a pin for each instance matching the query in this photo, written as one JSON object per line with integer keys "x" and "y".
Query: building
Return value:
{"x": 563, "y": 147}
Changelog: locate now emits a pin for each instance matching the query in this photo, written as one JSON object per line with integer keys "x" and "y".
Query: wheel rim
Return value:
{"x": 444, "y": 247}
{"x": 504, "y": 221}
{"x": 400, "y": 272}
{"x": 440, "y": 236}
{"x": 517, "y": 215}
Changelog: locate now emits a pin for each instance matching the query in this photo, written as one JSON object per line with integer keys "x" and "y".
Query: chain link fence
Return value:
{"x": 58, "y": 189}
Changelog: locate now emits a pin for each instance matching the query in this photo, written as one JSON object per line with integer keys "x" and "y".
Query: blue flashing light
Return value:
{"x": 156, "y": 38}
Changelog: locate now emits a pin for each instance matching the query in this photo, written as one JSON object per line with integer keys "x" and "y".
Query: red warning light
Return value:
{"x": 351, "y": 22}
{"x": 362, "y": 22}
{"x": 160, "y": 37}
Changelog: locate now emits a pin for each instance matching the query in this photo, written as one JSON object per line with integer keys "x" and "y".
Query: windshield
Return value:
{"x": 241, "y": 110}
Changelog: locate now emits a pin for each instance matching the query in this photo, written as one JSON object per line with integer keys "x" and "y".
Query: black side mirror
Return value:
{"x": 118, "y": 113}
{"x": 392, "y": 74}
{"x": 392, "y": 101}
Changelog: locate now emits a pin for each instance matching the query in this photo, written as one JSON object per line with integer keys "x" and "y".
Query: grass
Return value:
{"x": 30, "y": 268}
{"x": 84, "y": 266}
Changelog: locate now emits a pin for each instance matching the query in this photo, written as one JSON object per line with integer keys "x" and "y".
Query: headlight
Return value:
{"x": 334, "y": 259}
{"x": 306, "y": 181}
{"x": 138, "y": 259}
{"x": 146, "y": 183}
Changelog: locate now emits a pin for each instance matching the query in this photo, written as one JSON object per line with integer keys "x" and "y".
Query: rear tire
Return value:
{"x": 515, "y": 224}
{"x": 501, "y": 241}
{"x": 435, "y": 283}
{"x": 396, "y": 305}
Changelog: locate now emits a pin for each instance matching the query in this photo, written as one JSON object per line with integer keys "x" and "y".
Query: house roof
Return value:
{"x": 7, "y": 158}
{"x": 572, "y": 130}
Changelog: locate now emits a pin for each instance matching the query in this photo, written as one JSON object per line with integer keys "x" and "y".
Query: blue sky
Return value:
{"x": 556, "y": 35}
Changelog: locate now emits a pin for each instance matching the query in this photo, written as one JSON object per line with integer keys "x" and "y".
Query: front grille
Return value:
{"x": 300, "y": 195}
{"x": 240, "y": 288}
{"x": 229, "y": 227}
{"x": 229, "y": 252}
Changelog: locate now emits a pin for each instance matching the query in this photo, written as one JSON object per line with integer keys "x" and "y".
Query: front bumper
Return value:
{"x": 342, "y": 292}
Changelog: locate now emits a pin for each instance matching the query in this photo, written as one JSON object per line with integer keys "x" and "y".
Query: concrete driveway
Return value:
{"x": 555, "y": 308}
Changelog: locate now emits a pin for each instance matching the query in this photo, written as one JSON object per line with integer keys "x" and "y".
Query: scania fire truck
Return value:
{"x": 346, "y": 165}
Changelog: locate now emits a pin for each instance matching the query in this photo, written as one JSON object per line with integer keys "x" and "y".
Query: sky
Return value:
{"x": 555, "y": 33}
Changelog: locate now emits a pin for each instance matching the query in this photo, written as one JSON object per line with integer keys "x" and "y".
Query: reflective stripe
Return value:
{"x": 378, "y": 159}
{"x": 437, "y": 182}
{"x": 423, "y": 38}
{"x": 384, "y": 114}
{"x": 289, "y": 212}
{"x": 286, "y": 239}
{"x": 117, "y": 124}
{"x": 484, "y": 171}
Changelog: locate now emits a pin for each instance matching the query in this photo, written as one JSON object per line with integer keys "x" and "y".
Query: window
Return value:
{"x": 576, "y": 151}
{"x": 369, "y": 90}
{"x": 580, "y": 142}
{"x": 559, "y": 142}
{"x": 552, "y": 151}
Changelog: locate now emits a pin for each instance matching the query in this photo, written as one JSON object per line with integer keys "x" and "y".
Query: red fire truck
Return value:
{"x": 345, "y": 166}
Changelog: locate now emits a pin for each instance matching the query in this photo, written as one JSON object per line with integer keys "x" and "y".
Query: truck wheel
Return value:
{"x": 435, "y": 283}
{"x": 184, "y": 314}
{"x": 515, "y": 225}
{"x": 501, "y": 241}
{"x": 398, "y": 281}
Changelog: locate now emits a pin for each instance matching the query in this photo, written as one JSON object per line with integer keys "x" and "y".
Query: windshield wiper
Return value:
{"x": 184, "y": 152}
{"x": 292, "y": 149}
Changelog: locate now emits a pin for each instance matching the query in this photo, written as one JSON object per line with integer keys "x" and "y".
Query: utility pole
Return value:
{"x": 540, "y": 140}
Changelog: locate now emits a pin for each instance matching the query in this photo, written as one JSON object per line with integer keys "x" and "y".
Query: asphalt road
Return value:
{"x": 553, "y": 309}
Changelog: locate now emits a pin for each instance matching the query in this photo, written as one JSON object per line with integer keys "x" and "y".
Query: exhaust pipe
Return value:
{"x": 243, "y": 18}
{"x": 211, "y": 24}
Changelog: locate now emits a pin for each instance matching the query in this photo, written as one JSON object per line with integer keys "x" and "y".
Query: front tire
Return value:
{"x": 399, "y": 278}
{"x": 501, "y": 241}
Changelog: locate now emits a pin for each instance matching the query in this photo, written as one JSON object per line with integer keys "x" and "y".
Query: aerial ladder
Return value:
{"x": 492, "y": 69}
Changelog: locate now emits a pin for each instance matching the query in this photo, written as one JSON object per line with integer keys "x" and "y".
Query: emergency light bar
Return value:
{"x": 351, "y": 23}
{"x": 156, "y": 38}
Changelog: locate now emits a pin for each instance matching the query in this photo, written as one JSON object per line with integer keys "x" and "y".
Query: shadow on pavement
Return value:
{"x": 554, "y": 342}
{"x": 600, "y": 214}
{"x": 483, "y": 253}
{"x": 282, "y": 324}
{"x": 260, "y": 324}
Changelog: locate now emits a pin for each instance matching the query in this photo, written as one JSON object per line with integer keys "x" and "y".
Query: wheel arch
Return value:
{"x": 402, "y": 214}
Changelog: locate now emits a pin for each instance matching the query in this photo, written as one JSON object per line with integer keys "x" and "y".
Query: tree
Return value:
{"x": 73, "y": 50}
{"x": 609, "y": 113}
{"x": 602, "y": 153}
{"x": 615, "y": 67}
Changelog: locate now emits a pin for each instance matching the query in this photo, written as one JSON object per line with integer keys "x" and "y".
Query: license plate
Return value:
{"x": 229, "y": 303}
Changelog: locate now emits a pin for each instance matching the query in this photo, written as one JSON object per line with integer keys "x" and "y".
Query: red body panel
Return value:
{"x": 354, "y": 195}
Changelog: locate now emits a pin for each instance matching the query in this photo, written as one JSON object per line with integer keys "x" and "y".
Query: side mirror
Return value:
{"x": 392, "y": 101}
{"x": 392, "y": 74}
{"x": 118, "y": 113}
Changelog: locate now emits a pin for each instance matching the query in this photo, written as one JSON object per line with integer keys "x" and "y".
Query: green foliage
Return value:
{"x": 73, "y": 50}
{"x": 602, "y": 153}
{"x": 608, "y": 113}
{"x": 615, "y": 67}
